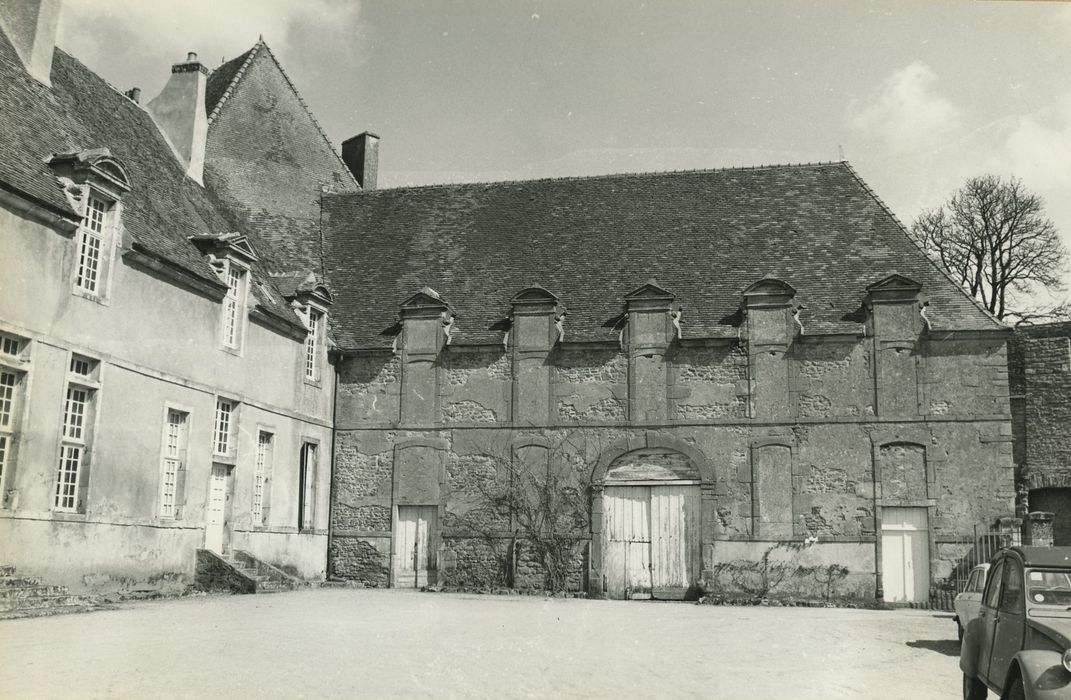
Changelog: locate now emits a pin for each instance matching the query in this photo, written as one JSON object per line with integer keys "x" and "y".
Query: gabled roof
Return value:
{"x": 705, "y": 235}
{"x": 78, "y": 117}
{"x": 267, "y": 158}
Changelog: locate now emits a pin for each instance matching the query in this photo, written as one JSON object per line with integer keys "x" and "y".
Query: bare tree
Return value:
{"x": 993, "y": 237}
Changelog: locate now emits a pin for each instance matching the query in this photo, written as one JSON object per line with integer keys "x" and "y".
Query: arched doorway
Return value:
{"x": 651, "y": 525}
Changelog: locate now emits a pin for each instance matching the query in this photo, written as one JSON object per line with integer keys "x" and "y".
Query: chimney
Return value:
{"x": 361, "y": 156}
{"x": 31, "y": 27}
{"x": 179, "y": 111}
{"x": 134, "y": 94}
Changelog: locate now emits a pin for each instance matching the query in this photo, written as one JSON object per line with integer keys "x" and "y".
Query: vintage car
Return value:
{"x": 969, "y": 601}
{"x": 1019, "y": 645}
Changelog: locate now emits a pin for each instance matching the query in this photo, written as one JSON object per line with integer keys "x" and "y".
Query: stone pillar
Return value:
{"x": 649, "y": 333}
{"x": 421, "y": 341}
{"x": 770, "y": 330}
{"x": 595, "y": 561}
{"x": 1038, "y": 529}
{"x": 533, "y": 337}
{"x": 895, "y": 325}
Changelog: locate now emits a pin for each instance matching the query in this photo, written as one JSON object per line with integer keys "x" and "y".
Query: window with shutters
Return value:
{"x": 75, "y": 436}
{"x": 173, "y": 463}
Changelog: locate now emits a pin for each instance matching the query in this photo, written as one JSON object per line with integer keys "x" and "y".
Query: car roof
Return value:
{"x": 1043, "y": 556}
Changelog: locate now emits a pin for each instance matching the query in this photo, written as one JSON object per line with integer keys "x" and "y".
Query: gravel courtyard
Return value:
{"x": 401, "y": 644}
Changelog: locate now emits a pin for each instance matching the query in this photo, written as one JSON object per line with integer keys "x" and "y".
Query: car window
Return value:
{"x": 1011, "y": 600}
{"x": 992, "y": 590}
{"x": 1049, "y": 587}
{"x": 975, "y": 585}
{"x": 971, "y": 581}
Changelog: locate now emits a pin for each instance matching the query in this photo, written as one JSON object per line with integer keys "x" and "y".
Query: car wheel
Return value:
{"x": 1016, "y": 691}
{"x": 974, "y": 689}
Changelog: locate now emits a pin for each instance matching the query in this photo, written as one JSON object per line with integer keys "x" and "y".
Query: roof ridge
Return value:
{"x": 297, "y": 93}
{"x": 226, "y": 94}
{"x": 903, "y": 229}
{"x": 601, "y": 176}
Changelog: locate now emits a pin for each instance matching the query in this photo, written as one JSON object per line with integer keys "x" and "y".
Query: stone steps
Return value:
{"x": 27, "y": 596}
{"x": 241, "y": 572}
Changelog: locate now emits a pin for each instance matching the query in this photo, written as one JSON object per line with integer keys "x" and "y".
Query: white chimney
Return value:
{"x": 179, "y": 111}
{"x": 31, "y": 27}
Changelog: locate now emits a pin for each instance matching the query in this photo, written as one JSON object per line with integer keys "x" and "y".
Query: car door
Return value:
{"x": 1008, "y": 631}
{"x": 987, "y": 618}
{"x": 973, "y": 600}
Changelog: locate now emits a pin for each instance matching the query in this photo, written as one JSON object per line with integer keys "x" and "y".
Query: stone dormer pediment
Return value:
{"x": 230, "y": 245}
{"x": 651, "y": 290}
{"x": 769, "y": 291}
{"x": 534, "y": 295}
{"x": 893, "y": 288}
{"x": 94, "y": 166}
{"x": 427, "y": 299}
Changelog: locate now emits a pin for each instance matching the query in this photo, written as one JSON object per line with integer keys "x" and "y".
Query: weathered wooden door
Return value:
{"x": 414, "y": 546}
{"x": 905, "y": 555}
{"x": 651, "y": 542}
{"x": 216, "y": 508}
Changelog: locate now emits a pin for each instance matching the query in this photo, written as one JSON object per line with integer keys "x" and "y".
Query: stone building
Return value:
{"x": 165, "y": 385}
{"x": 727, "y": 364}
{"x": 221, "y": 342}
{"x": 1040, "y": 361}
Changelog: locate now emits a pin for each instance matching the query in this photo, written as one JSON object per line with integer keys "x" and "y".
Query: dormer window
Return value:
{"x": 313, "y": 343}
{"x": 94, "y": 182}
{"x": 234, "y": 305}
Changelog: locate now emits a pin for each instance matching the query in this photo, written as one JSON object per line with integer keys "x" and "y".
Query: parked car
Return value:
{"x": 1019, "y": 645}
{"x": 969, "y": 600}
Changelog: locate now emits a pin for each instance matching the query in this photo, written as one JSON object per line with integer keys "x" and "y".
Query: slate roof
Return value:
{"x": 267, "y": 158}
{"x": 81, "y": 111}
{"x": 704, "y": 235}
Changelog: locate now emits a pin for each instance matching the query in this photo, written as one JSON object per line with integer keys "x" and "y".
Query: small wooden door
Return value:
{"x": 414, "y": 546}
{"x": 652, "y": 540}
{"x": 216, "y": 509}
{"x": 905, "y": 555}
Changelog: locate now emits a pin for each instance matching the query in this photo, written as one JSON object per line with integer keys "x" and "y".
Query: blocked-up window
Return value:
{"x": 93, "y": 241}
{"x": 261, "y": 474}
{"x": 173, "y": 463}
{"x": 307, "y": 486}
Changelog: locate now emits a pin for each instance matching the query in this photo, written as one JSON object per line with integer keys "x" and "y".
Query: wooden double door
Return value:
{"x": 651, "y": 541}
{"x": 415, "y": 538}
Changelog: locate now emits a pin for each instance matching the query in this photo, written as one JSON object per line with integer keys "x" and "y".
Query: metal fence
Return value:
{"x": 979, "y": 549}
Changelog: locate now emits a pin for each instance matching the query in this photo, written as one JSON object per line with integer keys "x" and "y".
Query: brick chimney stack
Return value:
{"x": 361, "y": 156}
{"x": 30, "y": 26}
{"x": 179, "y": 111}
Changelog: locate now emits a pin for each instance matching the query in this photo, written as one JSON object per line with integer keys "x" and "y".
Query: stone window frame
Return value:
{"x": 307, "y": 491}
{"x": 14, "y": 401}
{"x": 263, "y": 469}
{"x": 181, "y": 458}
{"x": 229, "y": 438}
{"x": 78, "y": 419}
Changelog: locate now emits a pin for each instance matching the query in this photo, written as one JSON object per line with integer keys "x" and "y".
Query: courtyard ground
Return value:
{"x": 401, "y": 644}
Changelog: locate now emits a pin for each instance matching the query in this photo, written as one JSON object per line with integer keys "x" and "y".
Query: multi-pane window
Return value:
{"x": 173, "y": 465}
{"x": 77, "y": 412}
{"x": 261, "y": 472}
{"x": 312, "y": 346}
{"x": 9, "y": 382}
{"x": 91, "y": 245}
{"x": 233, "y": 306}
{"x": 221, "y": 438}
{"x": 10, "y": 346}
{"x": 307, "y": 486}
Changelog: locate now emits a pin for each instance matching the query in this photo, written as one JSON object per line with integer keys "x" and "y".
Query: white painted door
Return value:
{"x": 652, "y": 540}
{"x": 215, "y": 509}
{"x": 414, "y": 549}
{"x": 905, "y": 555}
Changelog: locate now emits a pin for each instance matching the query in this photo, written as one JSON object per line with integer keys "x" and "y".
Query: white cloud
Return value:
{"x": 907, "y": 115}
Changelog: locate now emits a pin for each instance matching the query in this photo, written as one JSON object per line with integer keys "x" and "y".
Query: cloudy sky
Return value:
{"x": 917, "y": 95}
